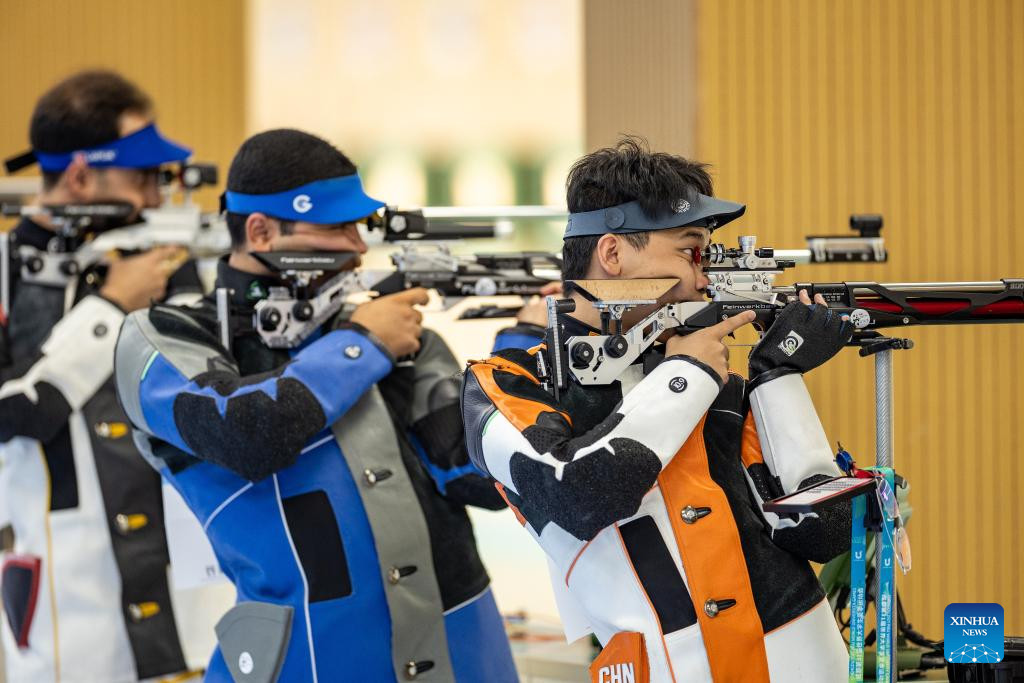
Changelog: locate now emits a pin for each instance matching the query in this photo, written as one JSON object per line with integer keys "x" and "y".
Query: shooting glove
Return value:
{"x": 802, "y": 338}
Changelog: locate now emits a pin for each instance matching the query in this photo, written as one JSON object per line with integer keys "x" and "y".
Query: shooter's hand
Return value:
{"x": 394, "y": 321}
{"x": 804, "y": 336}
{"x": 136, "y": 281}
{"x": 706, "y": 345}
{"x": 535, "y": 312}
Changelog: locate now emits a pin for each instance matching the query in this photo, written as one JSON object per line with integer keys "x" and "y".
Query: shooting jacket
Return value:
{"x": 332, "y": 485}
{"x": 85, "y": 589}
{"x": 646, "y": 496}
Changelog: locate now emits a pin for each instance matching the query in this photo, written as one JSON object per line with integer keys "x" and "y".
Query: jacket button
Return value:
{"x": 129, "y": 523}
{"x": 374, "y": 477}
{"x": 143, "y": 610}
{"x": 414, "y": 669}
{"x": 691, "y": 514}
{"x": 396, "y": 574}
{"x": 713, "y": 607}
{"x": 110, "y": 430}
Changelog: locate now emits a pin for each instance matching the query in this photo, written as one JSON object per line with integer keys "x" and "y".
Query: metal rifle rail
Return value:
{"x": 434, "y": 266}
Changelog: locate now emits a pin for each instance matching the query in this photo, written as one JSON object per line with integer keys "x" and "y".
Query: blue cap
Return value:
{"x": 630, "y": 217}
{"x": 330, "y": 201}
{"x": 145, "y": 148}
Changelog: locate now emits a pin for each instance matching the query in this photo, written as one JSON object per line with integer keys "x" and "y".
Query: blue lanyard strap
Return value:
{"x": 858, "y": 596}
{"x": 886, "y": 606}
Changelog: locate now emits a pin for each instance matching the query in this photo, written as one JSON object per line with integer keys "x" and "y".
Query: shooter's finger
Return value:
{"x": 730, "y": 325}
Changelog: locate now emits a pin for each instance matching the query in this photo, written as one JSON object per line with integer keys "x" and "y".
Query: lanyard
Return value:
{"x": 885, "y": 605}
{"x": 858, "y": 597}
{"x": 885, "y": 600}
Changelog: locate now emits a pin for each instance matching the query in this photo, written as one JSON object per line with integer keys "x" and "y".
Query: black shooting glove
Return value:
{"x": 801, "y": 338}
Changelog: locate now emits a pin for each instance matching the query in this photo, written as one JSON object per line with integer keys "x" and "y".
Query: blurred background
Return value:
{"x": 808, "y": 111}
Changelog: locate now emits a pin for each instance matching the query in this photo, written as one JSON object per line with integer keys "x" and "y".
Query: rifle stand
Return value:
{"x": 867, "y": 516}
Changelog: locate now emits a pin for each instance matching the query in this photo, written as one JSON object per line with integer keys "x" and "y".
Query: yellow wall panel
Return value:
{"x": 640, "y": 71}
{"x": 187, "y": 54}
{"x": 810, "y": 110}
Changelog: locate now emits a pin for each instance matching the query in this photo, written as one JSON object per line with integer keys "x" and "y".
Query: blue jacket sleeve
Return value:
{"x": 521, "y": 336}
{"x": 193, "y": 397}
{"x": 435, "y": 426}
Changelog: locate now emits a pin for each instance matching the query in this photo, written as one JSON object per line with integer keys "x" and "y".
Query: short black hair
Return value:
{"x": 279, "y": 160}
{"x": 627, "y": 172}
{"x": 83, "y": 111}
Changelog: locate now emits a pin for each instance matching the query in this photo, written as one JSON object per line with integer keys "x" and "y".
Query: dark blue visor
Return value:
{"x": 700, "y": 210}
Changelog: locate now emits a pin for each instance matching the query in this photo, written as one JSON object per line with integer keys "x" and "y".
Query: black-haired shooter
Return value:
{"x": 331, "y": 481}
{"x": 85, "y": 589}
{"x": 646, "y": 493}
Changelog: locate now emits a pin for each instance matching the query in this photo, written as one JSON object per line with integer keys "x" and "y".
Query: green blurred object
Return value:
{"x": 528, "y": 174}
{"x": 908, "y": 659}
{"x": 439, "y": 182}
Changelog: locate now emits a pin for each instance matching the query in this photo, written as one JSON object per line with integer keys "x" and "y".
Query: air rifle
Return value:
{"x": 84, "y": 235}
{"x": 743, "y": 279}
{"x": 293, "y": 311}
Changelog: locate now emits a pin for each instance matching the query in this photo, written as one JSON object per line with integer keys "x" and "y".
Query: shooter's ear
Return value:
{"x": 259, "y": 232}
{"x": 608, "y": 255}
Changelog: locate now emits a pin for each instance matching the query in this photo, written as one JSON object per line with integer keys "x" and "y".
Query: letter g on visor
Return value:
{"x": 326, "y": 202}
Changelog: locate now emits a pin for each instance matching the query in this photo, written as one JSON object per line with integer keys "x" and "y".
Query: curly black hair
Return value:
{"x": 627, "y": 172}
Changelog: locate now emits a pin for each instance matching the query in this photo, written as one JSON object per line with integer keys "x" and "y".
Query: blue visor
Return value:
{"x": 630, "y": 217}
{"x": 145, "y": 148}
{"x": 335, "y": 200}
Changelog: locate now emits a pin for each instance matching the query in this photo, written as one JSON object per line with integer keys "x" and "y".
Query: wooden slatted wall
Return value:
{"x": 187, "y": 54}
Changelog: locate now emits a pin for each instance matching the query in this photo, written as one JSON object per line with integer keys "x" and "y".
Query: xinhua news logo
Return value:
{"x": 973, "y": 633}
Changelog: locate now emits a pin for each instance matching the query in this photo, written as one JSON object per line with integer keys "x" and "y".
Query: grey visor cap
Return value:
{"x": 630, "y": 217}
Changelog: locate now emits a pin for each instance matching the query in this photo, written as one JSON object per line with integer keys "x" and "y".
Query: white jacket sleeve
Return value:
{"x": 75, "y": 361}
{"x": 793, "y": 441}
{"x": 586, "y": 482}
{"x": 796, "y": 454}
